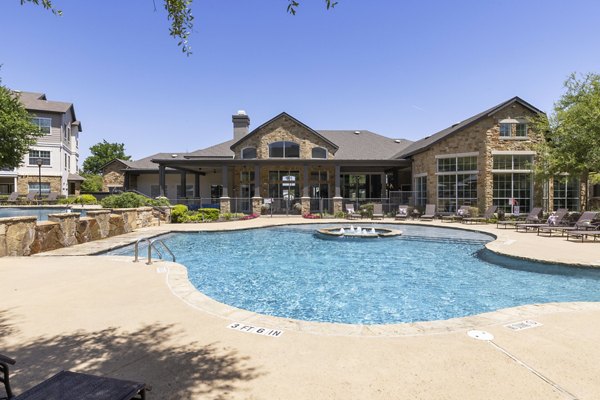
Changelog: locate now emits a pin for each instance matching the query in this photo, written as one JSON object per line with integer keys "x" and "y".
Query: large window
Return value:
{"x": 35, "y": 155}
{"x": 284, "y": 184}
{"x": 521, "y": 130}
{"x": 42, "y": 124}
{"x": 319, "y": 152}
{"x": 35, "y": 187}
{"x": 566, "y": 193}
{"x": 284, "y": 150}
{"x": 420, "y": 190}
{"x": 457, "y": 182}
{"x": 361, "y": 186}
{"x": 512, "y": 184}
{"x": 249, "y": 153}
{"x": 505, "y": 130}
{"x": 515, "y": 128}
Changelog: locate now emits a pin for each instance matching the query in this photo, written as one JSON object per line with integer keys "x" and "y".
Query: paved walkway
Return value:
{"x": 113, "y": 317}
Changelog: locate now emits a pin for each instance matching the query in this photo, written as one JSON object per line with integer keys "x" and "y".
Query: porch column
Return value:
{"x": 126, "y": 181}
{"x": 197, "y": 186}
{"x": 225, "y": 201}
{"x": 337, "y": 199}
{"x": 305, "y": 199}
{"x": 161, "y": 181}
{"x": 383, "y": 186}
{"x": 257, "y": 199}
{"x": 183, "y": 184}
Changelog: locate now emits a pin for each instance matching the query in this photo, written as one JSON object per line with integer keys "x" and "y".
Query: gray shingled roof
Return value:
{"x": 221, "y": 150}
{"x": 365, "y": 145}
{"x": 37, "y": 102}
{"x": 425, "y": 143}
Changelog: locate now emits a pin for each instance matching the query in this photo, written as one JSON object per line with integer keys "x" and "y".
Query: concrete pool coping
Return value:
{"x": 181, "y": 287}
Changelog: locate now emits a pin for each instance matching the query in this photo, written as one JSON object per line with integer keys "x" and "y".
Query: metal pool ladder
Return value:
{"x": 152, "y": 244}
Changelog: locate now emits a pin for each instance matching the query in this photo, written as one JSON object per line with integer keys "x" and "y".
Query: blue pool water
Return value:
{"x": 40, "y": 212}
{"x": 427, "y": 274}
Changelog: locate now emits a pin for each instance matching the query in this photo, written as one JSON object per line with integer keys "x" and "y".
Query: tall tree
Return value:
{"x": 179, "y": 13}
{"x": 103, "y": 153}
{"x": 572, "y": 130}
{"x": 17, "y": 133}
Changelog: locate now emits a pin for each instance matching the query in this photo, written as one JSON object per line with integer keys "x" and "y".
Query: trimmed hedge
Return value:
{"x": 132, "y": 200}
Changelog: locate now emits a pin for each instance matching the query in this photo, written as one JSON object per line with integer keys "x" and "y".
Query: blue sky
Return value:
{"x": 404, "y": 69}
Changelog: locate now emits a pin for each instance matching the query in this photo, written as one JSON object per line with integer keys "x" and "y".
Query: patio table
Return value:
{"x": 67, "y": 385}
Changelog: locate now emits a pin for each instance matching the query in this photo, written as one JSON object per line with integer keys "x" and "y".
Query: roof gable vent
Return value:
{"x": 357, "y": 132}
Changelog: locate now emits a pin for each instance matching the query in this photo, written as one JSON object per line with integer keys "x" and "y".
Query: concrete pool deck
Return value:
{"x": 113, "y": 317}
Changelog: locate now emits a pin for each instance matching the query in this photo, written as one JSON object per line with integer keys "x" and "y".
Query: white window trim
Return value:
{"x": 284, "y": 155}
{"x": 517, "y": 138}
{"x": 457, "y": 172}
{"x": 472, "y": 154}
{"x": 43, "y": 165}
{"x": 248, "y": 147}
{"x": 44, "y": 118}
{"x": 512, "y": 171}
{"x": 514, "y": 152}
{"x": 422, "y": 174}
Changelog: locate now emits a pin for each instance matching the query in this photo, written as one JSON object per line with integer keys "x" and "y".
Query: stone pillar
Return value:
{"x": 17, "y": 235}
{"x": 102, "y": 218}
{"x": 305, "y": 201}
{"x": 197, "y": 186}
{"x": 257, "y": 205}
{"x": 130, "y": 218}
{"x": 183, "y": 184}
{"x": 162, "y": 180}
{"x": 68, "y": 225}
{"x": 225, "y": 181}
{"x": 225, "y": 205}
{"x": 337, "y": 205}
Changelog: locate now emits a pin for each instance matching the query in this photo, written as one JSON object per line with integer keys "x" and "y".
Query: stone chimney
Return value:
{"x": 241, "y": 123}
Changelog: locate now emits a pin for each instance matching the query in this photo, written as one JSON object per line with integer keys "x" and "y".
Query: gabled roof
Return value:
{"x": 146, "y": 164}
{"x": 424, "y": 144}
{"x": 364, "y": 145}
{"x": 282, "y": 115}
{"x": 37, "y": 102}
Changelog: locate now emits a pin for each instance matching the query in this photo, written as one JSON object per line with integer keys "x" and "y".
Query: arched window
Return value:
{"x": 249, "y": 153}
{"x": 319, "y": 152}
{"x": 284, "y": 150}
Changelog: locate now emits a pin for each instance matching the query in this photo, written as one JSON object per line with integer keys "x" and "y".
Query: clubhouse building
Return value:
{"x": 291, "y": 167}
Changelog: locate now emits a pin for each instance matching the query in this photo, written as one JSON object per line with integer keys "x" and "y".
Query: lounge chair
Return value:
{"x": 584, "y": 222}
{"x": 461, "y": 213}
{"x": 12, "y": 198}
{"x": 429, "y": 213}
{"x": 30, "y": 197}
{"x": 558, "y": 219}
{"x": 377, "y": 211}
{"x": 402, "y": 213}
{"x": 533, "y": 217}
{"x": 350, "y": 213}
{"x": 487, "y": 215}
{"x": 4, "y": 374}
{"x": 584, "y": 233}
{"x": 52, "y": 198}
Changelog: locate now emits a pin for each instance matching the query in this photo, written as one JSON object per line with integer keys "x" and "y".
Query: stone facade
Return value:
{"x": 24, "y": 181}
{"x": 22, "y": 236}
{"x": 113, "y": 176}
{"x": 283, "y": 129}
{"x": 483, "y": 138}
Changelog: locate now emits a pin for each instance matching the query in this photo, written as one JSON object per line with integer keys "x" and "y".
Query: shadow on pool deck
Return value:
{"x": 147, "y": 355}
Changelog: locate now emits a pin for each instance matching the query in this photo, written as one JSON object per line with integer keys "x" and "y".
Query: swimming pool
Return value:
{"x": 428, "y": 273}
{"x": 40, "y": 212}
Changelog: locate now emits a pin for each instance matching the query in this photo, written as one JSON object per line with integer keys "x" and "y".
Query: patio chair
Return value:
{"x": 52, "y": 198}
{"x": 487, "y": 215}
{"x": 350, "y": 213}
{"x": 557, "y": 219}
{"x": 402, "y": 213}
{"x": 12, "y": 198}
{"x": 461, "y": 213}
{"x": 30, "y": 197}
{"x": 4, "y": 374}
{"x": 584, "y": 233}
{"x": 584, "y": 222}
{"x": 429, "y": 213}
{"x": 377, "y": 211}
{"x": 532, "y": 217}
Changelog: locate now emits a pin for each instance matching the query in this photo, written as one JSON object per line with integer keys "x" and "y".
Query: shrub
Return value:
{"x": 131, "y": 200}
{"x": 85, "y": 199}
{"x": 366, "y": 210}
{"x": 340, "y": 214}
{"x": 179, "y": 213}
{"x": 210, "y": 214}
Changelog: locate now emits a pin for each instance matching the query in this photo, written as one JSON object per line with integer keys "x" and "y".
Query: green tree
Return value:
{"x": 103, "y": 153}
{"x": 179, "y": 13}
{"x": 92, "y": 183}
{"x": 572, "y": 131}
{"x": 17, "y": 133}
